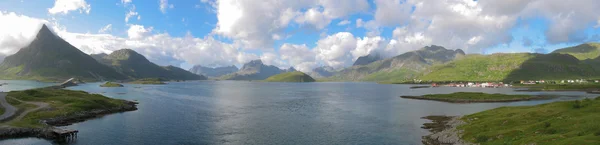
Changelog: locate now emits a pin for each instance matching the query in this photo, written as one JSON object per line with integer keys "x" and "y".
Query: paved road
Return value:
{"x": 9, "y": 110}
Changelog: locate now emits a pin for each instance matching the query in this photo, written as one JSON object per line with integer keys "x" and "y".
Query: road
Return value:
{"x": 9, "y": 110}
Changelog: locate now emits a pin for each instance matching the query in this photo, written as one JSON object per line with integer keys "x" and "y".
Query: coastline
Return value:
{"x": 476, "y": 101}
{"x": 443, "y": 130}
{"x": 8, "y": 132}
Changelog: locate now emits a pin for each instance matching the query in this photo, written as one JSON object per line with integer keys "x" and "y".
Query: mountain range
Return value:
{"x": 51, "y": 58}
{"x": 255, "y": 70}
{"x": 405, "y": 66}
{"x": 213, "y": 72}
{"x": 135, "y": 65}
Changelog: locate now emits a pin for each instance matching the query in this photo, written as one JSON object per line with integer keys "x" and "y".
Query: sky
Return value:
{"x": 303, "y": 34}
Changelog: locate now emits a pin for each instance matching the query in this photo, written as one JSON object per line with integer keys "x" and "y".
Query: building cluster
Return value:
{"x": 479, "y": 85}
{"x": 559, "y": 82}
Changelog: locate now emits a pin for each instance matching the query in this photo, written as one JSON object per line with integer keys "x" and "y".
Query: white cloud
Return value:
{"x": 105, "y": 29}
{"x": 164, "y": 5}
{"x": 392, "y": 12}
{"x": 131, "y": 13}
{"x": 17, "y": 31}
{"x": 126, "y": 1}
{"x": 138, "y": 31}
{"x": 344, "y": 22}
{"x": 298, "y": 56}
{"x": 64, "y": 6}
{"x": 254, "y": 23}
{"x": 334, "y": 50}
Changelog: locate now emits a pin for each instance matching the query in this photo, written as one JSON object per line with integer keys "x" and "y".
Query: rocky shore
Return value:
{"x": 443, "y": 131}
{"x": 46, "y": 132}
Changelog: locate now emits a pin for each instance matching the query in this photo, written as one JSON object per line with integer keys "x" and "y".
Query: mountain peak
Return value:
{"x": 126, "y": 54}
{"x": 44, "y": 32}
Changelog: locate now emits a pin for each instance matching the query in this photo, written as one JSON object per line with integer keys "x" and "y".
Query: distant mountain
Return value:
{"x": 514, "y": 67}
{"x": 136, "y": 66}
{"x": 254, "y": 70}
{"x": 401, "y": 67}
{"x": 213, "y": 72}
{"x": 364, "y": 60}
{"x": 50, "y": 58}
{"x": 583, "y": 51}
{"x": 322, "y": 72}
{"x": 294, "y": 76}
{"x": 291, "y": 69}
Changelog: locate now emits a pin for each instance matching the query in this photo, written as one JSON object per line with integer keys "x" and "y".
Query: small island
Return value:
{"x": 568, "y": 122}
{"x": 149, "y": 81}
{"x": 111, "y": 84}
{"x": 476, "y": 97}
{"x": 295, "y": 76}
{"x": 35, "y": 112}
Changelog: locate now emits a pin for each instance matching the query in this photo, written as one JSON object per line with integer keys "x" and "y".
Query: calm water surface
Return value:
{"x": 230, "y": 112}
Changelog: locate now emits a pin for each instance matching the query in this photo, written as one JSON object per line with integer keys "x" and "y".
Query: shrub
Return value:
{"x": 577, "y": 104}
{"x": 481, "y": 138}
{"x": 547, "y": 124}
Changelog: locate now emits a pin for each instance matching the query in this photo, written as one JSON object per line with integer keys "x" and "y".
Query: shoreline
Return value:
{"x": 476, "y": 101}
{"x": 443, "y": 130}
{"x": 9, "y": 132}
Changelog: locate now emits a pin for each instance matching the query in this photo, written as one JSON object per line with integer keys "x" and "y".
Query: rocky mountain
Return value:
{"x": 136, "y": 66}
{"x": 213, "y": 72}
{"x": 50, "y": 58}
{"x": 291, "y": 69}
{"x": 364, "y": 60}
{"x": 322, "y": 72}
{"x": 401, "y": 67}
{"x": 254, "y": 70}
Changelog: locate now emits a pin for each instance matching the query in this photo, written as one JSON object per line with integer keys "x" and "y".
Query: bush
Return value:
{"x": 577, "y": 104}
{"x": 481, "y": 138}
{"x": 547, "y": 124}
{"x": 597, "y": 133}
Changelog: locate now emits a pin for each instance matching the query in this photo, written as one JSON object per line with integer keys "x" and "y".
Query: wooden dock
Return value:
{"x": 65, "y": 135}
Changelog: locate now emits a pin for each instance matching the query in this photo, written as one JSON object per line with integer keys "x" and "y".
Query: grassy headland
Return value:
{"x": 473, "y": 97}
{"x": 570, "y": 122}
{"x": 296, "y": 76}
{"x": 156, "y": 81}
{"x": 111, "y": 84}
{"x": 61, "y": 107}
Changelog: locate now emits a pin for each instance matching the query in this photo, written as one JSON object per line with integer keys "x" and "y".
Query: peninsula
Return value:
{"x": 475, "y": 97}
{"x": 35, "y": 112}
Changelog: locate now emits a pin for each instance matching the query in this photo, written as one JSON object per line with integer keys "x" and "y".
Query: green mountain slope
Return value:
{"x": 512, "y": 67}
{"x": 136, "y": 66}
{"x": 50, "y": 58}
{"x": 583, "y": 51}
{"x": 401, "y": 67}
{"x": 296, "y": 76}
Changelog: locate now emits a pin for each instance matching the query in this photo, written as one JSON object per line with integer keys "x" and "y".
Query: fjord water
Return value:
{"x": 239, "y": 112}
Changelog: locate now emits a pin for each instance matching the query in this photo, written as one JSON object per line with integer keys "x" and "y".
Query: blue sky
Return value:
{"x": 208, "y": 32}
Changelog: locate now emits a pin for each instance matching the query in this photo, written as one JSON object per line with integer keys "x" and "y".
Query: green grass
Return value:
{"x": 296, "y": 76}
{"x": 583, "y": 51}
{"x": 395, "y": 75}
{"x": 513, "y": 67}
{"x": 62, "y": 102}
{"x": 570, "y": 122}
{"x": 111, "y": 84}
{"x": 157, "y": 81}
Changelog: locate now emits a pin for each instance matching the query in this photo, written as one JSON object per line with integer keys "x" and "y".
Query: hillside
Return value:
{"x": 135, "y": 66}
{"x": 401, "y": 67}
{"x": 322, "y": 72}
{"x": 50, "y": 58}
{"x": 295, "y": 76}
{"x": 213, "y": 72}
{"x": 254, "y": 70}
{"x": 583, "y": 51}
{"x": 364, "y": 60}
{"x": 512, "y": 67}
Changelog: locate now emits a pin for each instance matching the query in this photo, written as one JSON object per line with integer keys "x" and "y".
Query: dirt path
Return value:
{"x": 41, "y": 105}
{"x": 9, "y": 110}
